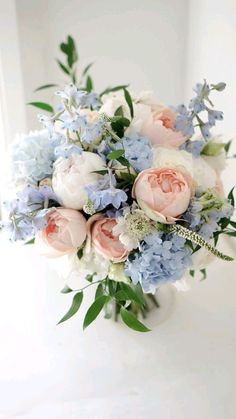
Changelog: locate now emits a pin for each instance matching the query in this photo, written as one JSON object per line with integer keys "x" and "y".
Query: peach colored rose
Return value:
{"x": 65, "y": 232}
{"x": 159, "y": 128}
{"x": 103, "y": 240}
{"x": 163, "y": 193}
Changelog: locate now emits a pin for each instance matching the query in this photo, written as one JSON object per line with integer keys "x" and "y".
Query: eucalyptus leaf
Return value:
{"x": 45, "y": 86}
{"x": 42, "y": 105}
{"x": 89, "y": 84}
{"x": 121, "y": 296}
{"x": 131, "y": 321}
{"x": 129, "y": 102}
{"x": 114, "y": 155}
{"x": 231, "y": 196}
{"x": 113, "y": 89}
{"x": 31, "y": 241}
{"x": 133, "y": 296}
{"x": 63, "y": 67}
{"x": 76, "y": 303}
{"x": 94, "y": 310}
{"x": 86, "y": 69}
{"x": 99, "y": 291}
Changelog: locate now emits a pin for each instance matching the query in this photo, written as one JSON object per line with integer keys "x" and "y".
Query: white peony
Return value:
{"x": 71, "y": 175}
{"x": 142, "y": 105}
{"x": 173, "y": 158}
{"x": 204, "y": 175}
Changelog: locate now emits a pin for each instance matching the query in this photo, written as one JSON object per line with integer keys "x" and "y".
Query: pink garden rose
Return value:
{"x": 159, "y": 128}
{"x": 163, "y": 193}
{"x": 103, "y": 240}
{"x": 65, "y": 232}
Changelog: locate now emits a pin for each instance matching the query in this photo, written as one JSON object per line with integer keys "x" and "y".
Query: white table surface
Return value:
{"x": 184, "y": 369}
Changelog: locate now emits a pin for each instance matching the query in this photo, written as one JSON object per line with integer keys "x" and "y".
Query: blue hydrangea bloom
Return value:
{"x": 162, "y": 259}
{"x": 138, "y": 152}
{"x": 105, "y": 193}
{"x": 32, "y": 157}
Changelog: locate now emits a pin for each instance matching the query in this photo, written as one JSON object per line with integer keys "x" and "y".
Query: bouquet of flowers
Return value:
{"x": 124, "y": 188}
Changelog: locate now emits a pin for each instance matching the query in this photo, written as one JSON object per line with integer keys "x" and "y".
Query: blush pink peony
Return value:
{"x": 159, "y": 128}
{"x": 65, "y": 232}
{"x": 163, "y": 194}
{"x": 104, "y": 241}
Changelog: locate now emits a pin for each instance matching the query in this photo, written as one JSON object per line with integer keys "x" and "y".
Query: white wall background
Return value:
{"x": 131, "y": 41}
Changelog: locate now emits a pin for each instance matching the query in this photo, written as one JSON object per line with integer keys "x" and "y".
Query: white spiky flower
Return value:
{"x": 132, "y": 227}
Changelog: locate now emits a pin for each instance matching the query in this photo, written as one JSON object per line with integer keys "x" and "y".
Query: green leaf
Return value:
{"x": 233, "y": 224}
{"x": 89, "y": 278}
{"x": 76, "y": 303}
{"x": 112, "y": 285}
{"x": 133, "y": 296}
{"x": 99, "y": 291}
{"x": 42, "y": 105}
{"x": 45, "y": 86}
{"x": 121, "y": 296}
{"x": 119, "y": 112}
{"x": 204, "y": 274}
{"x": 31, "y": 241}
{"x": 227, "y": 146}
{"x": 114, "y": 155}
{"x": 72, "y": 55}
{"x": 231, "y": 233}
{"x": 64, "y": 48}
{"x": 113, "y": 89}
{"x": 192, "y": 272}
{"x": 86, "y": 69}
{"x": 63, "y": 67}
{"x": 66, "y": 290}
{"x": 129, "y": 102}
{"x": 123, "y": 161}
{"x": 94, "y": 310}
{"x": 80, "y": 253}
{"x": 89, "y": 84}
{"x": 231, "y": 196}
{"x": 131, "y": 321}
{"x": 100, "y": 172}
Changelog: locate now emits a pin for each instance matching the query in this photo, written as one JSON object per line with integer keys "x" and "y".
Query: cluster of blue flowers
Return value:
{"x": 138, "y": 152}
{"x": 162, "y": 259}
{"x": 188, "y": 118}
{"x": 205, "y": 211}
{"x": 28, "y": 211}
{"x": 79, "y": 98}
{"x": 105, "y": 193}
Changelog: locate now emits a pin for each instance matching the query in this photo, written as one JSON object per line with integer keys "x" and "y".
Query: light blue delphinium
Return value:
{"x": 205, "y": 211}
{"x": 188, "y": 119}
{"x": 105, "y": 193}
{"x": 193, "y": 147}
{"x": 32, "y": 157}
{"x": 27, "y": 213}
{"x": 79, "y": 98}
{"x": 66, "y": 150}
{"x": 162, "y": 259}
{"x": 138, "y": 152}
